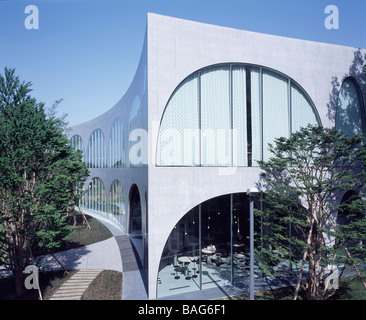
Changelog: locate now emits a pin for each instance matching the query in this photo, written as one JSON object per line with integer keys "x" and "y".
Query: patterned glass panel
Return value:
{"x": 116, "y": 152}
{"x": 275, "y": 109}
{"x": 77, "y": 143}
{"x": 239, "y": 97}
{"x": 178, "y": 142}
{"x": 215, "y": 117}
{"x": 256, "y": 116}
{"x": 96, "y": 152}
{"x": 206, "y": 120}
{"x": 95, "y": 198}
{"x": 302, "y": 112}
{"x": 350, "y": 117}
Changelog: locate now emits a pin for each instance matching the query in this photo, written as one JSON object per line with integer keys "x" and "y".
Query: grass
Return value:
{"x": 350, "y": 288}
{"x": 50, "y": 281}
{"x": 84, "y": 236}
{"x": 106, "y": 286}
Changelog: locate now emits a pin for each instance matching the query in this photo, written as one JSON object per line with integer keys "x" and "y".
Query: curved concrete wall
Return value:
{"x": 175, "y": 48}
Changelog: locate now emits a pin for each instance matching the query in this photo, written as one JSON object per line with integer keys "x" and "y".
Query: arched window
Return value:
{"x": 225, "y": 115}
{"x": 208, "y": 247}
{"x": 116, "y": 199}
{"x": 134, "y": 122}
{"x": 77, "y": 143}
{"x": 116, "y": 151}
{"x": 135, "y": 211}
{"x": 95, "y": 197}
{"x": 350, "y": 114}
{"x": 117, "y": 203}
{"x": 96, "y": 152}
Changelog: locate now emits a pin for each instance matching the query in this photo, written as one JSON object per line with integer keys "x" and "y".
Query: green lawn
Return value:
{"x": 106, "y": 286}
{"x": 351, "y": 288}
{"x": 50, "y": 281}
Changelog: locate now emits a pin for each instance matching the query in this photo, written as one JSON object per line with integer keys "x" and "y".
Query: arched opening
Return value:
{"x": 208, "y": 247}
{"x": 135, "y": 212}
{"x": 117, "y": 203}
{"x": 216, "y": 116}
{"x": 350, "y": 113}
{"x": 95, "y": 196}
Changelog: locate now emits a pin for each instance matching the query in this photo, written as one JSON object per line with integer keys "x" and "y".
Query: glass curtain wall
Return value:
{"x": 225, "y": 115}
{"x": 116, "y": 150}
{"x": 135, "y": 212}
{"x": 97, "y": 150}
{"x": 117, "y": 203}
{"x": 77, "y": 143}
{"x": 350, "y": 113}
{"x": 208, "y": 247}
{"x": 95, "y": 196}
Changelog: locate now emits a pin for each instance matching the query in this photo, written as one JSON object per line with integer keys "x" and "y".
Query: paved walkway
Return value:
{"x": 118, "y": 253}
{"x": 74, "y": 288}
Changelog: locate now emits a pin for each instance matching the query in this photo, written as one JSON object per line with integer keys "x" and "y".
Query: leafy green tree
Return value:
{"x": 39, "y": 172}
{"x": 305, "y": 223}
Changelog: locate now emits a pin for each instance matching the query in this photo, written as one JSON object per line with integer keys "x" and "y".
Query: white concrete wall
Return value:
{"x": 177, "y": 48}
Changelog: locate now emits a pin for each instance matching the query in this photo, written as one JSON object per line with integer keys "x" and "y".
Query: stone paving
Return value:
{"x": 74, "y": 288}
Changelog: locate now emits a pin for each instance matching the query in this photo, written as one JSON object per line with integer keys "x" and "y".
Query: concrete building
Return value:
{"x": 171, "y": 162}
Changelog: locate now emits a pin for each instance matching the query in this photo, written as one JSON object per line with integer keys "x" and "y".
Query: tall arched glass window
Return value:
{"x": 95, "y": 197}
{"x": 226, "y": 115}
{"x": 77, "y": 143}
{"x": 116, "y": 151}
{"x": 117, "y": 203}
{"x": 116, "y": 199}
{"x": 96, "y": 152}
{"x": 350, "y": 114}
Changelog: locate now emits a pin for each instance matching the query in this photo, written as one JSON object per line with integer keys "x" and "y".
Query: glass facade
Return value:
{"x": 116, "y": 145}
{"x": 77, "y": 143}
{"x": 96, "y": 154}
{"x": 350, "y": 115}
{"x": 210, "y": 247}
{"x": 135, "y": 212}
{"x": 117, "y": 203}
{"x": 95, "y": 197}
{"x": 217, "y": 116}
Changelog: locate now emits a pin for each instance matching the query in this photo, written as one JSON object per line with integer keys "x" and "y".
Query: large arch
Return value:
{"x": 226, "y": 114}
{"x": 350, "y": 113}
{"x": 135, "y": 210}
{"x": 187, "y": 264}
{"x": 77, "y": 143}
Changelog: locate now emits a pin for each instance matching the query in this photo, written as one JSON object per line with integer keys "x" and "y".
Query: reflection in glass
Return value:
{"x": 116, "y": 150}
{"x": 95, "y": 198}
{"x": 135, "y": 212}
{"x": 97, "y": 150}
{"x": 208, "y": 247}
{"x": 350, "y": 115}
{"x": 225, "y": 115}
{"x": 117, "y": 203}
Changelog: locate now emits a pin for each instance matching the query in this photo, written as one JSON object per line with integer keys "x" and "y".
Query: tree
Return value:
{"x": 303, "y": 184}
{"x": 38, "y": 172}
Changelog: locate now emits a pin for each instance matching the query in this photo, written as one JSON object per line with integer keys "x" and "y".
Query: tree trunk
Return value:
{"x": 19, "y": 278}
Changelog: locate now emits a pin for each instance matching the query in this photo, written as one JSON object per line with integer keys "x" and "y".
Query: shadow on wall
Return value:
{"x": 356, "y": 71}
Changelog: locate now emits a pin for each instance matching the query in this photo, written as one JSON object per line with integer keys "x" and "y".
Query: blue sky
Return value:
{"x": 86, "y": 51}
